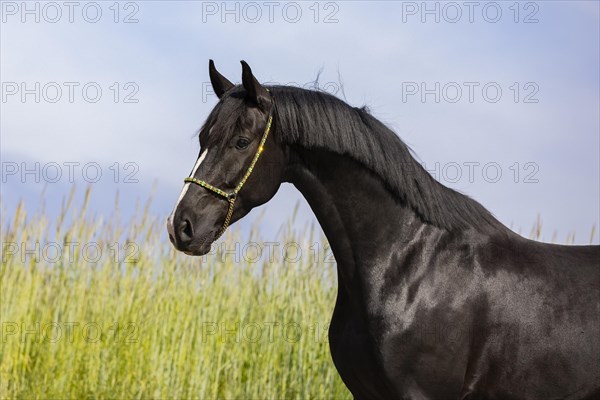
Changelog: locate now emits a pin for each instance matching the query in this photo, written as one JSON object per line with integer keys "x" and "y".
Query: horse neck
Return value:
{"x": 360, "y": 217}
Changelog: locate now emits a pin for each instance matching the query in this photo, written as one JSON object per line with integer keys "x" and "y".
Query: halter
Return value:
{"x": 232, "y": 196}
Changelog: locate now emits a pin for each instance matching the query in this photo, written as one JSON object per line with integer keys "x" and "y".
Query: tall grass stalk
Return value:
{"x": 144, "y": 321}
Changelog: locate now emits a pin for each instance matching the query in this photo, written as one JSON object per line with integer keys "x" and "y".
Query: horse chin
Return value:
{"x": 200, "y": 250}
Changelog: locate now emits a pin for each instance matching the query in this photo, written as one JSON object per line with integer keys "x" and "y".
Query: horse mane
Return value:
{"x": 316, "y": 119}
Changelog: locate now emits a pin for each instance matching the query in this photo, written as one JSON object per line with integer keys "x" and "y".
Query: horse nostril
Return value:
{"x": 186, "y": 231}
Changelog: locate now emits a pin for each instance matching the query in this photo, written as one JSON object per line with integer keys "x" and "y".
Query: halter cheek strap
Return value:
{"x": 232, "y": 196}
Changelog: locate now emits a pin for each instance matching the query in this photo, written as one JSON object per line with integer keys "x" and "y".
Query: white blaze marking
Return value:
{"x": 187, "y": 184}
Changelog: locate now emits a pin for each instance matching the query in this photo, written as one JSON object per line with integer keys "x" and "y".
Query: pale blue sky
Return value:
{"x": 379, "y": 49}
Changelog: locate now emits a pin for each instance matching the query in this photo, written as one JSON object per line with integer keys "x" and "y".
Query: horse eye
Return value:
{"x": 242, "y": 143}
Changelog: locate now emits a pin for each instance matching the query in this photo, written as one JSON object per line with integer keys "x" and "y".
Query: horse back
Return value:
{"x": 542, "y": 319}
{"x": 491, "y": 317}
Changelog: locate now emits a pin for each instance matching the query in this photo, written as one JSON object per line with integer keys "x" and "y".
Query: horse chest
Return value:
{"x": 355, "y": 354}
{"x": 390, "y": 346}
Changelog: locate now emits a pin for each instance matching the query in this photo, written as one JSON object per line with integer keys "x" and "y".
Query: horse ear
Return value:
{"x": 219, "y": 83}
{"x": 256, "y": 92}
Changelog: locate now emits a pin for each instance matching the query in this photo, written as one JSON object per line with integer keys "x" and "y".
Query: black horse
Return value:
{"x": 436, "y": 299}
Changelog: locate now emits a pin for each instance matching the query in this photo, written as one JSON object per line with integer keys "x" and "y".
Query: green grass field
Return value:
{"x": 121, "y": 315}
{"x": 97, "y": 308}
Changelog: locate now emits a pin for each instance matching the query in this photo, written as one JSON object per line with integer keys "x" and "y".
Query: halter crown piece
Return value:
{"x": 232, "y": 196}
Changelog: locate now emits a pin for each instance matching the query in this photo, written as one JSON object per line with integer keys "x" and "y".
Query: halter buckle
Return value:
{"x": 231, "y": 196}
